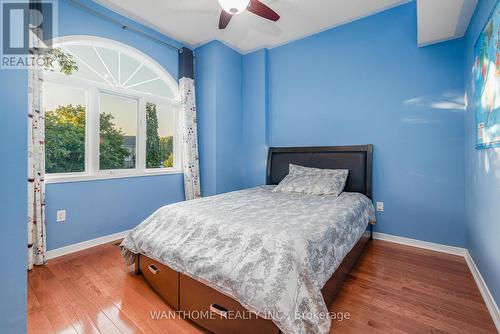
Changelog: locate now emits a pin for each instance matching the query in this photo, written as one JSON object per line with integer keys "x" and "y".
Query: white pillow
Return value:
{"x": 313, "y": 181}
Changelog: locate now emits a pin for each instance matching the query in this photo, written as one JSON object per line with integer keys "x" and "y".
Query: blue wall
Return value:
{"x": 255, "y": 118}
{"x": 368, "y": 82}
{"x": 219, "y": 107}
{"x": 104, "y": 207}
{"x": 13, "y": 195}
{"x": 229, "y": 118}
{"x": 482, "y": 187}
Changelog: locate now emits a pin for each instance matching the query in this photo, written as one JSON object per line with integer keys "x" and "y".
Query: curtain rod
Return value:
{"x": 124, "y": 26}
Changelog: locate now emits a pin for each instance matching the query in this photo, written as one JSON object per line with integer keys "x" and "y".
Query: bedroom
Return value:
{"x": 147, "y": 106}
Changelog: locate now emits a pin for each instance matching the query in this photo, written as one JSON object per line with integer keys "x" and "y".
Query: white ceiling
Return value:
{"x": 441, "y": 20}
{"x": 195, "y": 22}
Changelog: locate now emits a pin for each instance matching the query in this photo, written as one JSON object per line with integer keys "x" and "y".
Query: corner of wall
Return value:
{"x": 255, "y": 116}
{"x": 482, "y": 181}
{"x": 219, "y": 90}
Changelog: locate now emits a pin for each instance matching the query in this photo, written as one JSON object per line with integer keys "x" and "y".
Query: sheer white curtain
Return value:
{"x": 189, "y": 139}
{"x": 189, "y": 133}
{"x": 36, "y": 164}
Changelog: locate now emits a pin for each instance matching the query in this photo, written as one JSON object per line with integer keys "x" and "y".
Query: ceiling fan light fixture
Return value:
{"x": 234, "y": 6}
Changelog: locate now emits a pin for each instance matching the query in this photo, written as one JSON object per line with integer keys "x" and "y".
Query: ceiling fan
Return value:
{"x": 235, "y": 7}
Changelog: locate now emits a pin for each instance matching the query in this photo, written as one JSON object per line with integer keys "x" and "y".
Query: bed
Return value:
{"x": 257, "y": 261}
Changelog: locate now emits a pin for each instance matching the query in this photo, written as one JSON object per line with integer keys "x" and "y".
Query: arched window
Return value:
{"x": 114, "y": 115}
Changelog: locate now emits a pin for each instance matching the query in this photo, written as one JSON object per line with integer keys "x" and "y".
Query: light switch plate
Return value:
{"x": 61, "y": 216}
{"x": 380, "y": 206}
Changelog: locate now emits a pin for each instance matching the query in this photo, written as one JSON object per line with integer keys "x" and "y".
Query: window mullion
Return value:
{"x": 94, "y": 131}
{"x": 141, "y": 136}
{"x": 88, "y": 133}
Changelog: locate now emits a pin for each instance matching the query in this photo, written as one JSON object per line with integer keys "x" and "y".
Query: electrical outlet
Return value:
{"x": 380, "y": 206}
{"x": 61, "y": 216}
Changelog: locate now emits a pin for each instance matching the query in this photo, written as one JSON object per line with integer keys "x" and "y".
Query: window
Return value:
{"x": 117, "y": 132}
{"x": 65, "y": 119}
{"x": 116, "y": 116}
{"x": 160, "y": 129}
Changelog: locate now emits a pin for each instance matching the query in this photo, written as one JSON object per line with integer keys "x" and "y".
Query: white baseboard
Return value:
{"x": 85, "y": 244}
{"x": 420, "y": 244}
{"x": 485, "y": 292}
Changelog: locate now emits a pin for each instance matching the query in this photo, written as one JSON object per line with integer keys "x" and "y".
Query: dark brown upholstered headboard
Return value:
{"x": 358, "y": 159}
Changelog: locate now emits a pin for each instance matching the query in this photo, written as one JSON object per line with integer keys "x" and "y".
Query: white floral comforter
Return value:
{"x": 272, "y": 252}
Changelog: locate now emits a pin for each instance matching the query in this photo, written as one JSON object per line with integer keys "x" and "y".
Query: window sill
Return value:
{"x": 52, "y": 179}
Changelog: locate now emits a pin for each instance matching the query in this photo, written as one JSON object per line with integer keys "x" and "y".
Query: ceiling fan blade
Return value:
{"x": 224, "y": 19}
{"x": 258, "y": 8}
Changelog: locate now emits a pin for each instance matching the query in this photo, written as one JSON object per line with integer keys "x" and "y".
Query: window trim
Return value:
{"x": 70, "y": 177}
{"x": 93, "y": 91}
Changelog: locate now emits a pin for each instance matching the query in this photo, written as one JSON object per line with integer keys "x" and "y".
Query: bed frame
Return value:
{"x": 195, "y": 300}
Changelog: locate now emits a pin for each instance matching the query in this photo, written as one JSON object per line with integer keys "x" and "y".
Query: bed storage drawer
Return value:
{"x": 162, "y": 279}
{"x": 225, "y": 315}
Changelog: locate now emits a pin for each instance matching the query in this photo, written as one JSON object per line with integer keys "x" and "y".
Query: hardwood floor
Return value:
{"x": 393, "y": 289}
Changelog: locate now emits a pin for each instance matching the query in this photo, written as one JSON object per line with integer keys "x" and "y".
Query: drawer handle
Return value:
{"x": 219, "y": 310}
{"x": 152, "y": 268}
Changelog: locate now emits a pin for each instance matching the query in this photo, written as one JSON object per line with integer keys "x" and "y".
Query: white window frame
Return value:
{"x": 93, "y": 91}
